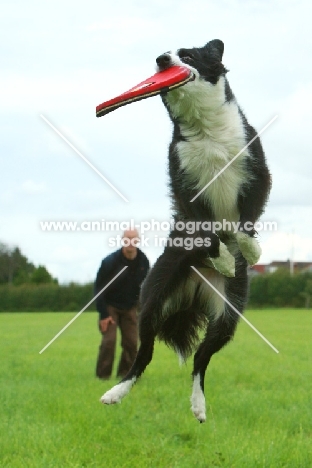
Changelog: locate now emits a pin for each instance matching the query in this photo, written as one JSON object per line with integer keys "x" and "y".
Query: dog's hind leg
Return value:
{"x": 219, "y": 333}
{"x": 143, "y": 358}
{"x": 168, "y": 273}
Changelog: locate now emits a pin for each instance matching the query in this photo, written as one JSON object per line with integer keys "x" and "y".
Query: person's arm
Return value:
{"x": 146, "y": 267}
{"x": 102, "y": 278}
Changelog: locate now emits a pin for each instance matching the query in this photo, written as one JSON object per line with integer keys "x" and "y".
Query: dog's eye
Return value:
{"x": 187, "y": 59}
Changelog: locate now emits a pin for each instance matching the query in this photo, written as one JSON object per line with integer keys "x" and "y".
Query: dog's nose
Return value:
{"x": 164, "y": 61}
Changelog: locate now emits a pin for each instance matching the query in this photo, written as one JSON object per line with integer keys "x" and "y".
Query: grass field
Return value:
{"x": 259, "y": 403}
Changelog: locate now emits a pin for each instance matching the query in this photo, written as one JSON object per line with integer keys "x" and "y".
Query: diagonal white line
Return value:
{"x": 235, "y": 310}
{"x": 84, "y": 158}
{"x": 235, "y": 157}
{"x": 82, "y": 310}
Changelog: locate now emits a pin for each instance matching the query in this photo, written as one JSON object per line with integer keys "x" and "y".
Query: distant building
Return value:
{"x": 258, "y": 269}
{"x": 261, "y": 268}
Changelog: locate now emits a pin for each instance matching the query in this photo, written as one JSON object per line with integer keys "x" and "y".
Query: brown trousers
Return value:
{"x": 126, "y": 320}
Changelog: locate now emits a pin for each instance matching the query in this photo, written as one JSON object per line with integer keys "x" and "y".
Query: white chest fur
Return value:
{"x": 214, "y": 135}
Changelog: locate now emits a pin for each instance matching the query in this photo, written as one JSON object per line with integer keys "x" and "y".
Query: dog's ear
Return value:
{"x": 216, "y": 48}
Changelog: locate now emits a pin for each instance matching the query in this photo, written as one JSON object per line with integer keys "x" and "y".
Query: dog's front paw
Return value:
{"x": 249, "y": 247}
{"x": 225, "y": 263}
{"x": 116, "y": 394}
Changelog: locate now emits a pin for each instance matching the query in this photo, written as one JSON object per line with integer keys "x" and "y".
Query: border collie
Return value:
{"x": 209, "y": 130}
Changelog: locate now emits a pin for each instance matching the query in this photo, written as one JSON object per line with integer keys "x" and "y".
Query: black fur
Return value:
{"x": 178, "y": 323}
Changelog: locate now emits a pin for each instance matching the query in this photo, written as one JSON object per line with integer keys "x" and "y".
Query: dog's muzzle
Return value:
{"x": 164, "y": 61}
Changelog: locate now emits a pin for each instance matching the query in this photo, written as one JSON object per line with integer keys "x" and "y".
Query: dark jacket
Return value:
{"x": 124, "y": 291}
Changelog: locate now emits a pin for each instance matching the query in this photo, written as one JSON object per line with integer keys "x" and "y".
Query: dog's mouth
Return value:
{"x": 166, "y": 61}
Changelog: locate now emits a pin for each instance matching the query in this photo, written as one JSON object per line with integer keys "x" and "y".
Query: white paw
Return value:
{"x": 116, "y": 394}
{"x": 199, "y": 413}
{"x": 198, "y": 401}
{"x": 111, "y": 397}
{"x": 225, "y": 263}
{"x": 249, "y": 247}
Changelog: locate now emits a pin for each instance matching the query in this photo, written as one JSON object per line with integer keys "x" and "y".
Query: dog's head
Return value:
{"x": 205, "y": 62}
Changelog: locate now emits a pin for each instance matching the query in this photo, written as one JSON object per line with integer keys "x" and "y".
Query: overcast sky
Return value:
{"x": 60, "y": 59}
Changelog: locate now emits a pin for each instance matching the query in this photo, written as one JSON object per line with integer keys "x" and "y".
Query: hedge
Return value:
{"x": 45, "y": 297}
{"x": 277, "y": 289}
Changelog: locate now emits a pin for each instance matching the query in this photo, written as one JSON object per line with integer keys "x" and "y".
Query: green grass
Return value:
{"x": 258, "y": 402}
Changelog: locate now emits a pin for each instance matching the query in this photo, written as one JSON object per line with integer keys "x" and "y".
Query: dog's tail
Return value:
{"x": 181, "y": 330}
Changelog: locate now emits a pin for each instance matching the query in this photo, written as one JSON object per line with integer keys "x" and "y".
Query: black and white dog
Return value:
{"x": 177, "y": 301}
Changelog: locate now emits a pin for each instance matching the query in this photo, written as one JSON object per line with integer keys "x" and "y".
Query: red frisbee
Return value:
{"x": 161, "y": 82}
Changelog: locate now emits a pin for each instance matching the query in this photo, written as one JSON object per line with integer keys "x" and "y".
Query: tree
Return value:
{"x": 16, "y": 269}
{"x": 4, "y": 263}
{"x": 41, "y": 276}
{"x": 12, "y": 263}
